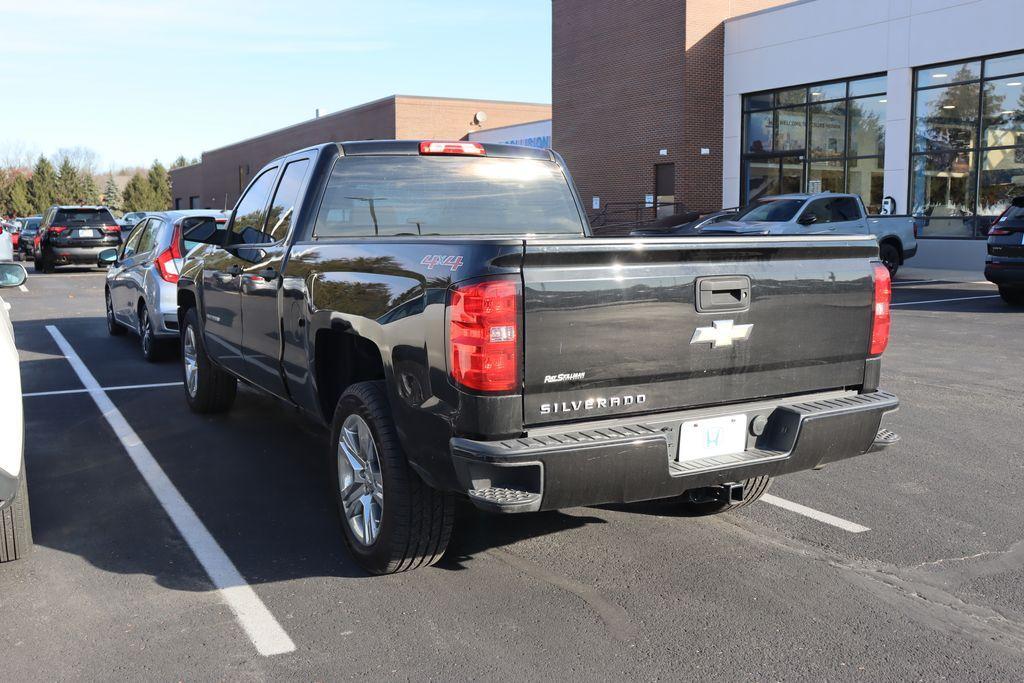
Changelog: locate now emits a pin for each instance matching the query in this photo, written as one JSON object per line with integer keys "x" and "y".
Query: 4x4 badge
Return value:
{"x": 721, "y": 333}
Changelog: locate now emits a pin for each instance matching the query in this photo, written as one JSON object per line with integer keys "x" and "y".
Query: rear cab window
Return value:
{"x": 376, "y": 196}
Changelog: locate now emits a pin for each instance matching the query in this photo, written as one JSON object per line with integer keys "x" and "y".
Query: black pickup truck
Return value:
{"x": 445, "y": 309}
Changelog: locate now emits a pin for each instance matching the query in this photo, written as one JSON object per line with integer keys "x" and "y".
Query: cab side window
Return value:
{"x": 251, "y": 212}
{"x": 844, "y": 209}
{"x": 282, "y": 211}
{"x": 147, "y": 241}
{"x": 820, "y": 209}
{"x": 131, "y": 245}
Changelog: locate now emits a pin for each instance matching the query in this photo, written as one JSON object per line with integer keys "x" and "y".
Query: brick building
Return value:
{"x": 223, "y": 173}
{"x": 637, "y": 97}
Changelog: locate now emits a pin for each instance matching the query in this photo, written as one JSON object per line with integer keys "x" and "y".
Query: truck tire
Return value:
{"x": 697, "y": 504}
{"x": 1012, "y": 296}
{"x": 114, "y": 328}
{"x": 391, "y": 520}
{"x": 208, "y": 388}
{"x": 16, "y": 525}
{"x": 889, "y": 254}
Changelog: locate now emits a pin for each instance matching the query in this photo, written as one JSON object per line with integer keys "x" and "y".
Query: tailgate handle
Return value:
{"x": 723, "y": 293}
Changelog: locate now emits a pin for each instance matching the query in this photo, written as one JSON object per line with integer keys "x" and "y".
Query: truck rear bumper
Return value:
{"x": 621, "y": 461}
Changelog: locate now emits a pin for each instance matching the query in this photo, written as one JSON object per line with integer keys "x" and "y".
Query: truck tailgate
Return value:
{"x": 612, "y": 327}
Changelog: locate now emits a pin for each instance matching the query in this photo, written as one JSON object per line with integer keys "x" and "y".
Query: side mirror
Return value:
{"x": 12, "y": 275}
{"x": 107, "y": 257}
{"x": 808, "y": 219}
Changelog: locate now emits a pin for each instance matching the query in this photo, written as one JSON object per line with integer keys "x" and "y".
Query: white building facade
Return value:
{"x": 921, "y": 101}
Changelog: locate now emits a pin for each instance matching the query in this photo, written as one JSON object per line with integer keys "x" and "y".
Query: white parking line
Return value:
{"x": 256, "y": 620}
{"x": 942, "y": 301}
{"x": 86, "y": 391}
{"x": 817, "y": 515}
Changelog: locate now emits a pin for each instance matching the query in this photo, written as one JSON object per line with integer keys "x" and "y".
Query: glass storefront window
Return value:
{"x": 866, "y": 177}
{"x": 1002, "y": 179}
{"x": 828, "y": 91}
{"x": 869, "y": 86}
{"x": 760, "y": 131}
{"x": 1004, "y": 112}
{"x": 943, "y": 190}
{"x": 792, "y": 129}
{"x": 792, "y": 179}
{"x": 828, "y": 130}
{"x": 826, "y": 176}
{"x": 1004, "y": 66}
{"x": 758, "y": 102}
{"x": 867, "y": 127}
{"x": 762, "y": 179}
{"x": 950, "y": 73}
{"x": 790, "y": 97}
{"x": 947, "y": 118}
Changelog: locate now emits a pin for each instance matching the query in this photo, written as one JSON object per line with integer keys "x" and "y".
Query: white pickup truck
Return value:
{"x": 826, "y": 213}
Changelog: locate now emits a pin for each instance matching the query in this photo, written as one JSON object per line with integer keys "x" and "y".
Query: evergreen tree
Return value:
{"x": 20, "y": 205}
{"x": 111, "y": 195}
{"x": 139, "y": 196}
{"x": 42, "y": 186}
{"x": 69, "y": 183}
{"x": 179, "y": 162}
{"x": 160, "y": 182}
{"x": 89, "y": 193}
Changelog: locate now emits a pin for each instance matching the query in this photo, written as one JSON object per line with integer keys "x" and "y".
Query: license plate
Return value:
{"x": 714, "y": 436}
{"x": 86, "y": 232}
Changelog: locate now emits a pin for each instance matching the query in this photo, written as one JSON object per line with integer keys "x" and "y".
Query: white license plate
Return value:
{"x": 86, "y": 232}
{"x": 714, "y": 436}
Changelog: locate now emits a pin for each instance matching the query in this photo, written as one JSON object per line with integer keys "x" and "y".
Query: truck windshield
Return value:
{"x": 446, "y": 195}
{"x": 773, "y": 210}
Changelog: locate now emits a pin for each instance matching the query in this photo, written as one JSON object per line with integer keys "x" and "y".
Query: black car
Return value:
{"x": 29, "y": 228}
{"x": 1004, "y": 265}
{"x": 74, "y": 235}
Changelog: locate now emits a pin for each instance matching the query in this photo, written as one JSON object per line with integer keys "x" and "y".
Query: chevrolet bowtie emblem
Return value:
{"x": 721, "y": 333}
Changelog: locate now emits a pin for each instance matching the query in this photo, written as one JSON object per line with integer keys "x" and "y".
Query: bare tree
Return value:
{"x": 83, "y": 159}
{"x": 17, "y": 154}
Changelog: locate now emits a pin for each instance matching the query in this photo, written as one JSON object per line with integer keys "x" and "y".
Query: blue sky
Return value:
{"x": 141, "y": 80}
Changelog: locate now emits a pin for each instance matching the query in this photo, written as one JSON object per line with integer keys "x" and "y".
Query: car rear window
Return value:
{"x": 441, "y": 195}
{"x": 77, "y": 217}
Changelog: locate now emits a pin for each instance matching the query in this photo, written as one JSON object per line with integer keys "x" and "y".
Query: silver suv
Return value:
{"x": 142, "y": 279}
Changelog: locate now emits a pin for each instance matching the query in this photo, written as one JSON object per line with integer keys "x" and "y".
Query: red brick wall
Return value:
{"x": 632, "y": 77}
{"x": 452, "y": 119}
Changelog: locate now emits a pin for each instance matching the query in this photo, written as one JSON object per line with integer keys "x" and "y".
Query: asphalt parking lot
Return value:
{"x": 899, "y": 565}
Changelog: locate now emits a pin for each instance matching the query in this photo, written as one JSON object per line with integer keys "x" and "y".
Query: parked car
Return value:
{"x": 130, "y": 220}
{"x": 695, "y": 226}
{"x": 15, "y": 525}
{"x": 29, "y": 229}
{"x": 141, "y": 288}
{"x": 6, "y": 243}
{"x": 74, "y": 235}
{"x": 1004, "y": 265}
{"x": 442, "y": 306}
{"x": 825, "y": 213}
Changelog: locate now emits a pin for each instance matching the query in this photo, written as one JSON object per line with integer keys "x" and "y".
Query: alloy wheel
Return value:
{"x": 145, "y": 332}
{"x": 191, "y": 361}
{"x": 360, "y": 480}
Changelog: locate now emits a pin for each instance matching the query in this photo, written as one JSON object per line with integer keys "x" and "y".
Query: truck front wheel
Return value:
{"x": 208, "y": 389}
{"x": 392, "y": 521}
{"x": 711, "y": 501}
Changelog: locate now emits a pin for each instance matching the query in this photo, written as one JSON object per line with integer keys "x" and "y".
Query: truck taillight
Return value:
{"x": 881, "y": 318}
{"x": 483, "y": 333}
{"x": 167, "y": 261}
{"x": 456, "y": 148}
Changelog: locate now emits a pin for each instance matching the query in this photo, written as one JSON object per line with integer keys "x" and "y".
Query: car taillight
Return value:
{"x": 167, "y": 261}
{"x": 483, "y": 330}
{"x": 881, "y": 317}
{"x": 111, "y": 229}
{"x": 56, "y": 229}
{"x": 456, "y": 148}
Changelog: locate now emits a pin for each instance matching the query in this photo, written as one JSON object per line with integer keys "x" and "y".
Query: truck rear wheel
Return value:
{"x": 392, "y": 521}
{"x": 16, "y": 525}
{"x": 889, "y": 254}
{"x": 708, "y": 501}
{"x": 208, "y": 389}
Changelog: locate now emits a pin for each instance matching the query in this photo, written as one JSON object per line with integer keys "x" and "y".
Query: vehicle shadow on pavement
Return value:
{"x": 477, "y": 532}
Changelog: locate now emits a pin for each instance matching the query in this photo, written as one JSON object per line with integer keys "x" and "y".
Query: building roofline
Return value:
{"x": 511, "y": 125}
{"x": 766, "y": 10}
{"x": 365, "y": 105}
